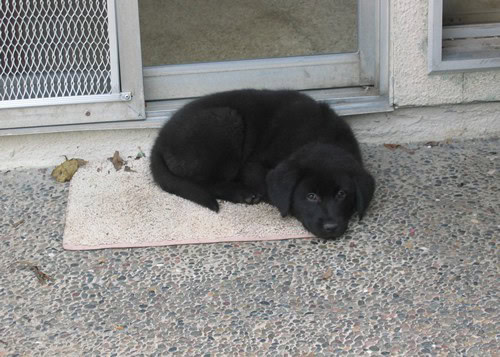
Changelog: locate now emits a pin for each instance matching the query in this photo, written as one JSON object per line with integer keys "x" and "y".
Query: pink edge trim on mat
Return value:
{"x": 180, "y": 242}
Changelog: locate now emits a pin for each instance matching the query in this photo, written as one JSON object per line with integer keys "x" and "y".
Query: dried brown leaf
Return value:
{"x": 65, "y": 171}
{"x": 392, "y": 146}
{"x": 398, "y": 146}
{"x": 117, "y": 161}
{"x": 40, "y": 275}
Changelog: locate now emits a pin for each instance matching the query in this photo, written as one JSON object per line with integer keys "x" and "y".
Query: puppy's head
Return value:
{"x": 322, "y": 186}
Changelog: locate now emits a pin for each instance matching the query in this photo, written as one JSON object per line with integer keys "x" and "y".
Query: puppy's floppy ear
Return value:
{"x": 281, "y": 182}
{"x": 365, "y": 186}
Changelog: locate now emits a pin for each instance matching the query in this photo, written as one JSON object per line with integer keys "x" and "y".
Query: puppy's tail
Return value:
{"x": 179, "y": 186}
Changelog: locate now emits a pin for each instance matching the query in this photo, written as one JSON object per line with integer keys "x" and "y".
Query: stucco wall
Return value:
{"x": 404, "y": 125}
{"x": 411, "y": 86}
{"x": 411, "y": 83}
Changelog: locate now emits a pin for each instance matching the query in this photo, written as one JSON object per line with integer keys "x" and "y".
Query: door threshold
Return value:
{"x": 345, "y": 101}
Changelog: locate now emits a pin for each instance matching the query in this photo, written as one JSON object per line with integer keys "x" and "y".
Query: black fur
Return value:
{"x": 250, "y": 145}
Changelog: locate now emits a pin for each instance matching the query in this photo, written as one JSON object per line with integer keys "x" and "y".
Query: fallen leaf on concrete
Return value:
{"x": 65, "y": 171}
{"x": 327, "y": 274}
{"x": 117, "y": 161}
{"x": 392, "y": 146}
{"x": 128, "y": 169}
{"x": 40, "y": 275}
{"x": 398, "y": 146}
{"x": 18, "y": 223}
{"x": 140, "y": 154}
{"x": 432, "y": 144}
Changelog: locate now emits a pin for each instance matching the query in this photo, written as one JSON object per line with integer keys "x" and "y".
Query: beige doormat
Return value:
{"x": 122, "y": 209}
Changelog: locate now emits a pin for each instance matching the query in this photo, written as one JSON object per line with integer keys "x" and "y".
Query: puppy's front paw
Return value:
{"x": 214, "y": 206}
{"x": 253, "y": 198}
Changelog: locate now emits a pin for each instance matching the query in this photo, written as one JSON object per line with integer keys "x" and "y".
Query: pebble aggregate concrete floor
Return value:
{"x": 418, "y": 276}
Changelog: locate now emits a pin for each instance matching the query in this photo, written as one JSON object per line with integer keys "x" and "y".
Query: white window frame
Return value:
{"x": 465, "y": 39}
{"x": 126, "y": 101}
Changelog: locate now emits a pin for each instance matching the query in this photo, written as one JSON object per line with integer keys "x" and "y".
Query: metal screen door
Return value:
{"x": 69, "y": 62}
{"x": 57, "y": 49}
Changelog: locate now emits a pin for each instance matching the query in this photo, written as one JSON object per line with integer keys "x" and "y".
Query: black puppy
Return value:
{"x": 249, "y": 145}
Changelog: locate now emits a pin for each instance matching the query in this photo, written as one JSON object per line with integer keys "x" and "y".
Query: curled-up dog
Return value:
{"x": 282, "y": 147}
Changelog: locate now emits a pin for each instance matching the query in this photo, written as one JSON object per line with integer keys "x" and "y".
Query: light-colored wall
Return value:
{"x": 411, "y": 83}
{"x": 411, "y": 86}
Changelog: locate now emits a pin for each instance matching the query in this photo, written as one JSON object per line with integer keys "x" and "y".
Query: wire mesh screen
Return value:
{"x": 54, "y": 48}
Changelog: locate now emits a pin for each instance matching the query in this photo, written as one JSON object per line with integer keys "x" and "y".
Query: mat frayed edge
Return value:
{"x": 69, "y": 246}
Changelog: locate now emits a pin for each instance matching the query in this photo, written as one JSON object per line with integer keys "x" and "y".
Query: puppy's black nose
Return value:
{"x": 330, "y": 227}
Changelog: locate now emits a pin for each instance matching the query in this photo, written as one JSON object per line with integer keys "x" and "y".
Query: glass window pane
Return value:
{"x": 190, "y": 31}
{"x": 468, "y": 12}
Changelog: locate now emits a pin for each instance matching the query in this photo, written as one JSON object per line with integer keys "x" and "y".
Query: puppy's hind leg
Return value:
{"x": 234, "y": 192}
{"x": 179, "y": 186}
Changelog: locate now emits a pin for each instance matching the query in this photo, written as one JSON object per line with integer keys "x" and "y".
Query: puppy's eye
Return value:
{"x": 312, "y": 197}
{"x": 341, "y": 194}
